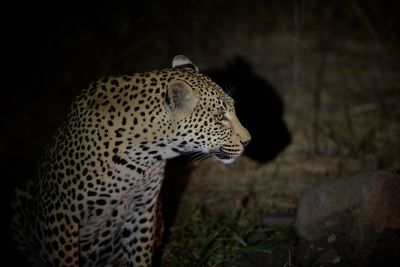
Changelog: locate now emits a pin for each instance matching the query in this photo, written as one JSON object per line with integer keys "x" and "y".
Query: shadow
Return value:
{"x": 11, "y": 173}
{"x": 177, "y": 176}
{"x": 258, "y": 107}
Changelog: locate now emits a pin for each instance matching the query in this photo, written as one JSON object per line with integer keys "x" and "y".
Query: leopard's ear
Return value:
{"x": 181, "y": 97}
{"x": 181, "y": 62}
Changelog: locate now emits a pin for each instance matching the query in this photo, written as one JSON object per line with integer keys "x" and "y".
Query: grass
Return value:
{"x": 222, "y": 240}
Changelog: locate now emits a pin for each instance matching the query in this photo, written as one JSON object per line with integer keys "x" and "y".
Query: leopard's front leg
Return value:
{"x": 138, "y": 236}
{"x": 61, "y": 241}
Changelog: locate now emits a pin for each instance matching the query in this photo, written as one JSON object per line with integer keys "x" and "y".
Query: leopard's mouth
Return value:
{"x": 225, "y": 157}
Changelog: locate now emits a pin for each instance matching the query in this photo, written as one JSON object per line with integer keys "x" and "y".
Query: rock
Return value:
{"x": 331, "y": 238}
{"x": 386, "y": 249}
{"x": 279, "y": 219}
{"x": 330, "y": 256}
{"x": 359, "y": 206}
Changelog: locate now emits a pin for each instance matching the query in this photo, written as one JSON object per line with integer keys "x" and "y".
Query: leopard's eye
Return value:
{"x": 221, "y": 116}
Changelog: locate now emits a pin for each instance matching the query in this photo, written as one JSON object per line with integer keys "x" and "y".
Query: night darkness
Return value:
{"x": 301, "y": 67}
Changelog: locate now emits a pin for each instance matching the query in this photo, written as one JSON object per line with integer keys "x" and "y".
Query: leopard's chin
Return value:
{"x": 225, "y": 161}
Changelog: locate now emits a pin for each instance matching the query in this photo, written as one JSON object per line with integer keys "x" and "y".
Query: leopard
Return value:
{"x": 94, "y": 200}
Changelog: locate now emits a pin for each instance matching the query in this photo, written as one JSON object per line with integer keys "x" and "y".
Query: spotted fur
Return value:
{"x": 94, "y": 202}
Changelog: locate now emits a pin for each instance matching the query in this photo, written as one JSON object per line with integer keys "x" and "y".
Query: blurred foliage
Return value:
{"x": 222, "y": 240}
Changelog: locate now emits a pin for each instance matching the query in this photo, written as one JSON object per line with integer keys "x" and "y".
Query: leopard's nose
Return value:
{"x": 245, "y": 142}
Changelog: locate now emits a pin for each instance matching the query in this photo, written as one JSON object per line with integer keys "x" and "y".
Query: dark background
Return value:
{"x": 50, "y": 51}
